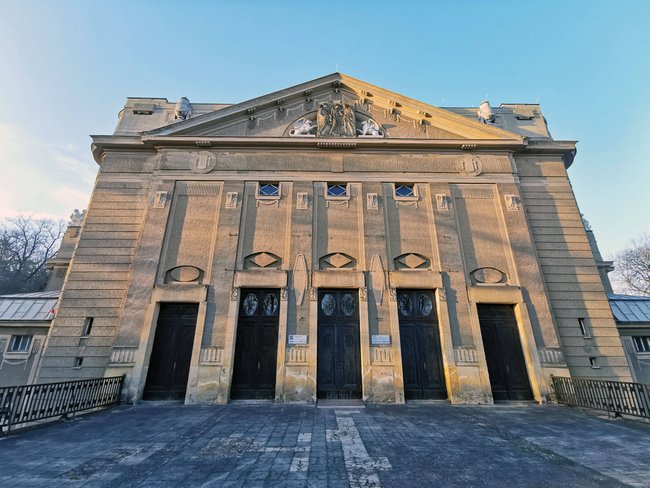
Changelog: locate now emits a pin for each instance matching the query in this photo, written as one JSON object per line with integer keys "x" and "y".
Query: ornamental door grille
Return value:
{"x": 505, "y": 359}
{"x": 171, "y": 354}
{"x": 339, "y": 361}
{"x": 422, "y": 365}
{"x": 256, "y": 348}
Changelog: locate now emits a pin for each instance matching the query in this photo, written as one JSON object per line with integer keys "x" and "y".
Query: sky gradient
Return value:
{"x": 66, "y": 69}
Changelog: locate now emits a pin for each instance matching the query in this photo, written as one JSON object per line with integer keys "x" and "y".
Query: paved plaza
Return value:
{"x": 275, "y": 445}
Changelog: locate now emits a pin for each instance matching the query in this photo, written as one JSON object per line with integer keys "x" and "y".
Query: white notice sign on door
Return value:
{"x": 297, "y": 340}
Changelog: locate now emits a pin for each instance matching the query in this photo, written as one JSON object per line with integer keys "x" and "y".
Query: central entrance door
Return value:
{"x": 339, "y": 361}
{"x": 169, "y": 366}
{"x": 505, "y": 359}
{"x": 422, "y": 365}
{"x": 256, "y": 349}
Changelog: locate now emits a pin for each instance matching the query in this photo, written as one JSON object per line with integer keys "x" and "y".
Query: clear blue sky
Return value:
{"x": 66, "y": 69}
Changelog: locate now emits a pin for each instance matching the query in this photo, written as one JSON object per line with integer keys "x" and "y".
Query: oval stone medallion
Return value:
{"x": 185, "y": 273}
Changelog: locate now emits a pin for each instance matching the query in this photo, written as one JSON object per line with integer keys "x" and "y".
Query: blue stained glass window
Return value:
{"x": 336, "y": 190}
{"x": 269, "y": 189}
{"x": 404, "y": 190}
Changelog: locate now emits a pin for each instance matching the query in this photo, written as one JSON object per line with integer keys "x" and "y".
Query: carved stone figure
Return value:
{"x": 303, "y": 128}
{"x": 77, "y": 217}
{"x": 335, "y": 119}
{"x": 370, "y": 128}
{"x": 183, "y": 109}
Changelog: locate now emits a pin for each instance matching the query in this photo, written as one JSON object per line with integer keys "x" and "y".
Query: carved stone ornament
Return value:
{"x": 302, "y": 200}
{"x": 392, "y": 293}
{"x": 442, "y": 202}
{"x": 377, "y": 278}
{"x": 313, "y": 294}
{"x": 442, "y": 294}
{"x": 370, "y": 128}
{"x": 161, "y": 199}
{"x": 372, "y": 201}
{"x": 77, "y": 217}
{"x": 300, "y": 278}
{"x": 234, "y": 294}
{"x": 363, "y": 294}
{"x": 470, "y": 165}
{"x": 231, "y": 199}
{"x": 489, "y": 276}
{"x": 336, "y": 119}
{"x": 303, "y": 128}
{"x": 204, "y": 162}
{"x": 284, "y": 294}
{"x": 512, "y": 202}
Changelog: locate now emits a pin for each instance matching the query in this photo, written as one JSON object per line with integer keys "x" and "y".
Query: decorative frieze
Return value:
{"x": 551, "y": 356}
{"x": 123, "y": 356}
{"x": 212, "y": 355}
{"x": 465, "y": 355}
{"x": 297, "y": 355}
{"x": 382, "y": 354}
{"x": 197, "y": 189}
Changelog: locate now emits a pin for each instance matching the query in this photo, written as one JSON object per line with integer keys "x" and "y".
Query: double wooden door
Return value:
{"x": 256, "y": 348}
{"x": 422, "y": 364}
{"x": 169, "y": 365}
{"x": 339, "y": 360}
{"x": 505, "y": 359}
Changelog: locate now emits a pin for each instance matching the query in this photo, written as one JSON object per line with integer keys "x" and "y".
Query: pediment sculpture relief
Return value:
{"x": 335, "y": 119}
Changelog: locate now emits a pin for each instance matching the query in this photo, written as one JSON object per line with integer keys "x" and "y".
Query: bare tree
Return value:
{"x": 632, "y": 266}
{"x": 26, "y": 244}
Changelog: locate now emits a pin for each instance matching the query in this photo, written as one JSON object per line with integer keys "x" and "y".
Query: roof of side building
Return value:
{"x": 630, "y": 309}
{"x": 28, "y": 307}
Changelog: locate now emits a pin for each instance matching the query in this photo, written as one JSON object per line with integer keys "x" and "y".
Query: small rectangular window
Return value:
{"x": 20, "y": 343}
{"x": 642, "y": 343}
{"x": 583, "y": 328}
{"x": 593, "y": 362}
{"x": 78, "y": 361}
{"x": 88, "y": 325}
{"x": 268, "y": 189}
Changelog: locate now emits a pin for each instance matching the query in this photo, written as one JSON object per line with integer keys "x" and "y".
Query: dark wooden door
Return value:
{"x": 256, "y": 348}
{"x": 169, "y": 366}
{"x": 505, "y": 359}
{"x": 339, "y": 361}
{"x": 422, "y": 364}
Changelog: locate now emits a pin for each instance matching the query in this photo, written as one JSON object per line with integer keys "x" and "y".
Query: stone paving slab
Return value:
{"x": 417, "y": 445}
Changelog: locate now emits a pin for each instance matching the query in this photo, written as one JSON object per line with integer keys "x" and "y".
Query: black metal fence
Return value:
{"x": 29, "y": 403}
{"x": 612, "y": 396}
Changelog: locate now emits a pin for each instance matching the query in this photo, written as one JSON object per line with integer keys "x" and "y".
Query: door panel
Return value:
{"x": 422, "y": 365}
{"x": 256, "y": 347}
{"x": 339, "y": 362}
{"x": 171, "y": 354}
{"x": 505, "y": 358}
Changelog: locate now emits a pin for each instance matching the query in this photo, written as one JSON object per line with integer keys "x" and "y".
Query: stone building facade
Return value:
{"x": 333, "y": 240}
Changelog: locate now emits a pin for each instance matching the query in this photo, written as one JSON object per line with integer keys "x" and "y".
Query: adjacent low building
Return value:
{"x": 333, "y": 240}
{"x": 632, "y": 315}
{"x": 24, "y": 324}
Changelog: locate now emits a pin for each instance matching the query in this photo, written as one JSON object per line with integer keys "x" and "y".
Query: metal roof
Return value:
{"x": 28, "y": 306}
{"x": 629, "y": 309}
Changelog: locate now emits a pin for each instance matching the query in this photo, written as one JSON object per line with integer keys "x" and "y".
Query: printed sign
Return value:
{"x": 296, "y": 340}
{"x": 380, "y": 340}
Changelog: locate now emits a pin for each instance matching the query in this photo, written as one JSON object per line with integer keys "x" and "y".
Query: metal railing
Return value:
{"x": 612, "y": 396}
{"x": 30, "y": 403}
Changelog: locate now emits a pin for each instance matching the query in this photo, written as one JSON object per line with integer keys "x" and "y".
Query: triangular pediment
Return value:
{"x": 298, "y": 112}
